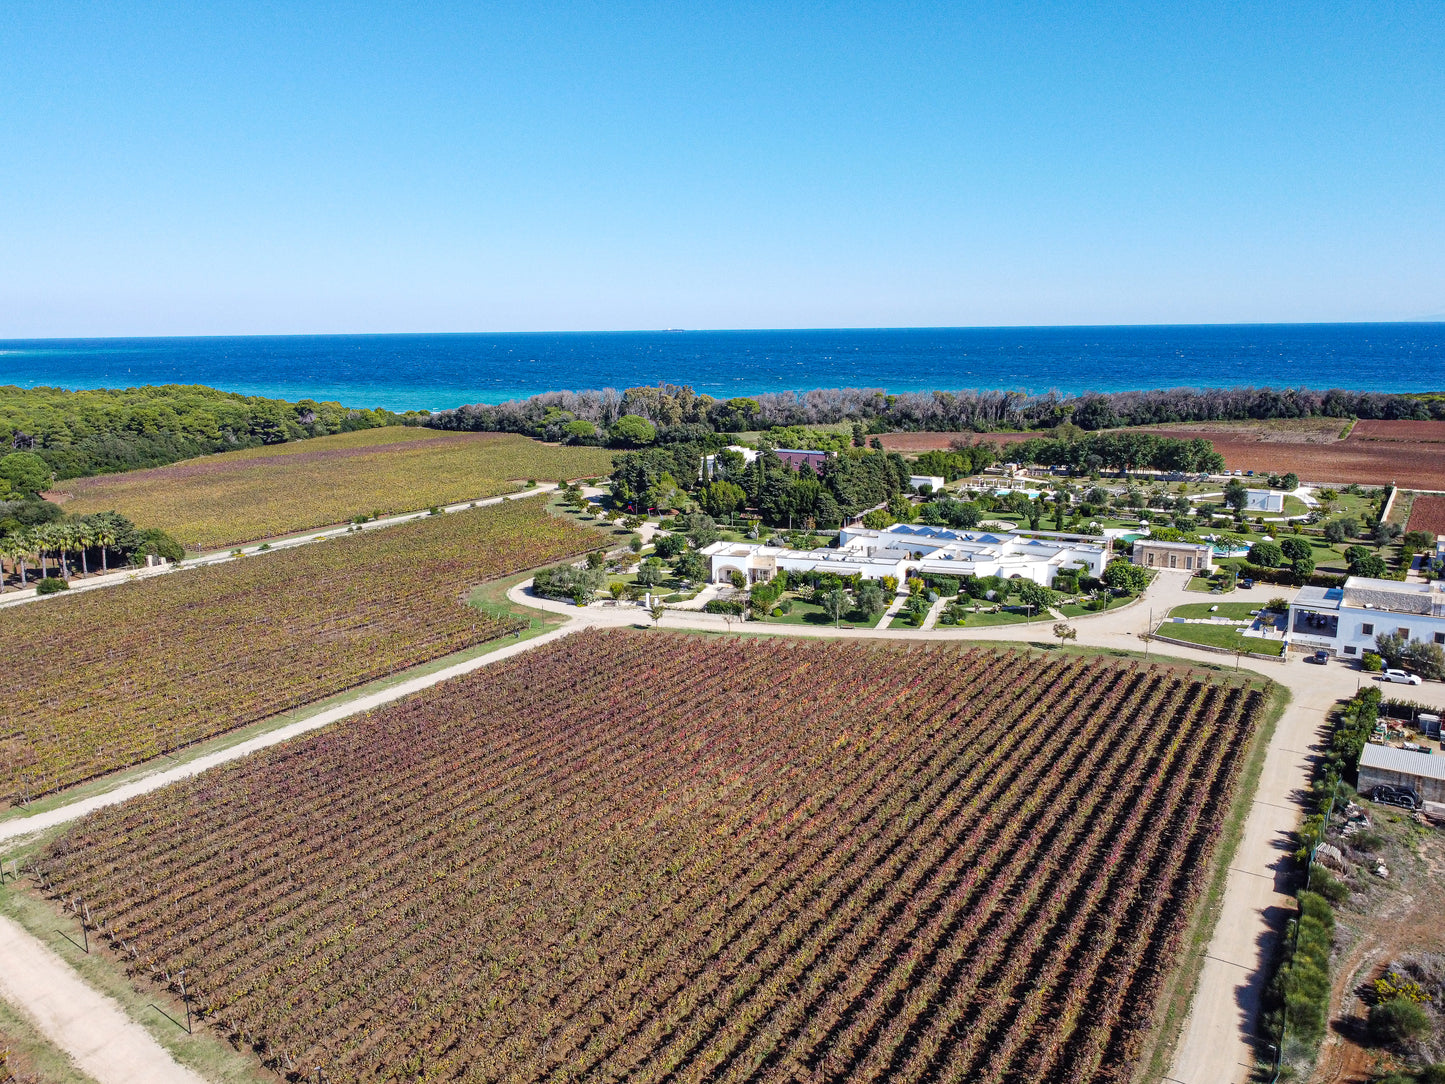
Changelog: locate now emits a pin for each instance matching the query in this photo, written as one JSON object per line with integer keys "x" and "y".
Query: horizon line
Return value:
{"x": 1435, "y": 319}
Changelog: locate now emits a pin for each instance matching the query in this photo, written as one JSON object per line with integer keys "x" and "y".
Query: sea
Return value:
{"x": 439, "y": 371}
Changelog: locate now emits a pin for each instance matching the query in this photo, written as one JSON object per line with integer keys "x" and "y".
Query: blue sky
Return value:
{"x": 334, "y": 167}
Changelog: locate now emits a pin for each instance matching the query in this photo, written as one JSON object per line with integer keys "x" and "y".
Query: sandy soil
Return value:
{"x": 1396, "y": 922}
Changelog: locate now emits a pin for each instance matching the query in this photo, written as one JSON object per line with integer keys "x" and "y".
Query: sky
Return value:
{"x": 177, "y": 169}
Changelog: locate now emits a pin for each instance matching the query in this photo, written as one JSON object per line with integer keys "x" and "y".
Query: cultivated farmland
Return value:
{"x": 1427, "y": 513}
{"x": 1408, "y": 454}
{"x": 662, "y": 857}
{"x": 105, "y": 679}
{"x": 234, "y": 497}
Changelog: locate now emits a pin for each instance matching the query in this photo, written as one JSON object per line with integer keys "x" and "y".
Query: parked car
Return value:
{"x": 1402, "y": 796}
{"x": 1320, "y": 657}
{"x": 1400, "y": 677}
{"x": 1246, "y": 583}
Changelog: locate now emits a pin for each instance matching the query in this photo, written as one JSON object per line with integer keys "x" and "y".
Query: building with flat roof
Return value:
{"x": 797, "y": 458}
{"x": 1263, "y": 500}
{"x": 1422, "y": 772}
{"x": 907, "y": 549}
{"x": 1151, "y": 553}
{"x": 1345, "y": 620}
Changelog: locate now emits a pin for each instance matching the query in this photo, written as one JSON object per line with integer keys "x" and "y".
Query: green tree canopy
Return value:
{"x": 632, "y": 431}
{"x": 24, "y": 474}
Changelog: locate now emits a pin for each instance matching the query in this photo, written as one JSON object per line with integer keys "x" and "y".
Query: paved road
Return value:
{"x": 92, "y": 1028}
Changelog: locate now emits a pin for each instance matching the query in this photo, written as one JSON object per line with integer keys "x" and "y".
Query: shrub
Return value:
{"x": 1328, "y": 885}
{"x": 1367, "y": 841}
{"x": 1433, "y": 1074}
{"x": 1303, "y": 983}
{"x": 1266, "y": 554}
{"x": 1371, "y": 566}
{"x": 1296, "y": 549}
{"x": 50, "y": 585}
{"x": 669, "y": 545}
{"x": 1371, "y": 663}
{"x": 724, "y": 606}
{"x": 1398, "y": 1020}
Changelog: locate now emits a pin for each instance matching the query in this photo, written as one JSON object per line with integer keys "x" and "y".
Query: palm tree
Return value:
{"x": 9, "y": 547}
{"x": 24, "y": 547}
{"x": 104, "y": 538}
{"x": 40, "y": 538}
{"x": 83, "y": 535}
{"x": 65, "y": 544}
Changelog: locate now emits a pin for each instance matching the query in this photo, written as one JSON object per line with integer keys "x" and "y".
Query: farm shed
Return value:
{"x": 1152, "y": 553}
{"x": 1403, "y": 767}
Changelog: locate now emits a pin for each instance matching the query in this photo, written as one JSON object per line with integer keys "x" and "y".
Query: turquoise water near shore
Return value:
{"x": 435, "y": 372}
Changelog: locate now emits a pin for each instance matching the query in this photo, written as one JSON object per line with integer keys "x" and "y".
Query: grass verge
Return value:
{"x": 32, "y": 1053}
{"x": 1176, "y": 999}
{"x": 152, "y": 1007}
{"x": 1224, "y": 636}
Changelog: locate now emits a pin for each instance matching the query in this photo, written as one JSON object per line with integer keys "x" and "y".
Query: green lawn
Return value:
{"x": 810, "y": 613}
{"x": 1009, "y": 616}
{"x": 1225, "y": 636}
{"x": 1234, "y": 611}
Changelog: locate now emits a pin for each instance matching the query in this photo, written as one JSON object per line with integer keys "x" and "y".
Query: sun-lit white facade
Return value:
{"x": 906, "y": 549}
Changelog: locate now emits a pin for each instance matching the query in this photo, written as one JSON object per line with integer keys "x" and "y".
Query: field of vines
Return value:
{"x": 234, "y": 497}
{"x": 660, "y": 857}
{"x": 104, "y": 679}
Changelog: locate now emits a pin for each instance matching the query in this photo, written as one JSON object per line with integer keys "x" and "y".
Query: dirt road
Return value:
{"x": 97, "y": 1034}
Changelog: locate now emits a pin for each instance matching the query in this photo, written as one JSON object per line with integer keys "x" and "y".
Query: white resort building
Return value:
{"x": 1263, "y": 500}
{"x": 905, "y": 549}
{"x": 1346, "y": 620}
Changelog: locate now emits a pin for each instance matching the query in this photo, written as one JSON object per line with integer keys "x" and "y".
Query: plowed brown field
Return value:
{"x": 932, "y": 441}
{"x": 1413, "y": 459}
{"x": 1428, "y": 514}
{"x": 1433, "y": 432}
{"x": 1370, "y": 462}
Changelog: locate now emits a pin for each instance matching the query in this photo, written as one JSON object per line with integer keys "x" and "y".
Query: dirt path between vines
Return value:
{"x": 96, "y": 1032}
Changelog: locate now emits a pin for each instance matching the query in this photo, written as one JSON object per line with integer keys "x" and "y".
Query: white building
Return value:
{"x": 1346, "y": 620}
{"x": 1263, "y": 500}
{"x": 710, "y": 461}
{"x": 933, "y": 481}
{"x": 905, "y": 549}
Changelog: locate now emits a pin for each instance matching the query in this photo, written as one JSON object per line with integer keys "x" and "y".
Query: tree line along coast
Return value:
{"x": 628, "y": 733}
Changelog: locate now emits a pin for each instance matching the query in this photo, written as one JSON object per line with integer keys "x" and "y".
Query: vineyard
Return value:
{"x": 234, "y": 497}
{"x": 106, "y": 679}
{"x": 670, "y": 858}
